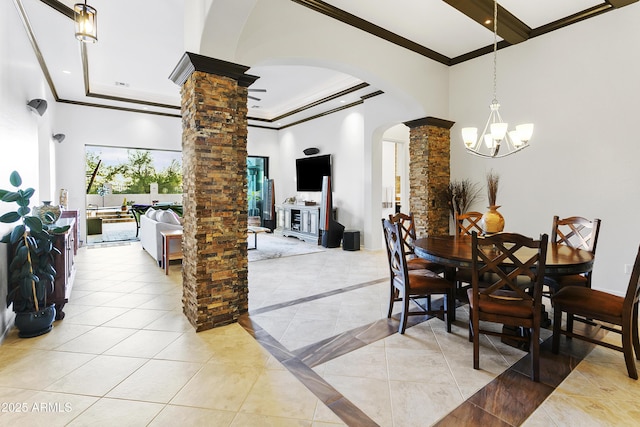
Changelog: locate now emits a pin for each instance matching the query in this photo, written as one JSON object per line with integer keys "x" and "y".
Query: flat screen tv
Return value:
{"x": 310, "y": 170}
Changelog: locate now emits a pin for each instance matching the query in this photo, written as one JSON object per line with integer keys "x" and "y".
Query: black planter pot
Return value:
{"x": 33, "y": 324}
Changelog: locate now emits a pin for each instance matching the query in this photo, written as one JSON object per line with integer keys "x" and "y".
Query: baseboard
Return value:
{"x": 6, "y": 323}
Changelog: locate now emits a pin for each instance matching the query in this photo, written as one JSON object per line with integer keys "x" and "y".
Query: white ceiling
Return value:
{"x": 134, "y": 75}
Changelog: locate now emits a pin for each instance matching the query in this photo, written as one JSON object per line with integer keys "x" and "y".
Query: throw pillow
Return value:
{"x": 178, "y": 219}
{"x": 167, "y": 217}
{"x": 150, "y": 213}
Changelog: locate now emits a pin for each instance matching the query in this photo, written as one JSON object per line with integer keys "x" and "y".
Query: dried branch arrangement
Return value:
{"x": 461, "y": 195}
{"x": 493, "y": 179}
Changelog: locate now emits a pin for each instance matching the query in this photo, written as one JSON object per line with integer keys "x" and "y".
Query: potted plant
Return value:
{"x": 31, "y": 266}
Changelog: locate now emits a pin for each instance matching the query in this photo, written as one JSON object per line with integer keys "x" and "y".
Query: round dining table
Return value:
{"x": 455, "y": 251}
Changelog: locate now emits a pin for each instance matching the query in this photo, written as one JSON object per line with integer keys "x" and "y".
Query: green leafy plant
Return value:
{"x": 31, "y": 269}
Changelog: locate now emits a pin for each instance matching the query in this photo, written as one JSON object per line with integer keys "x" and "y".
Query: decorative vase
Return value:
{"x": 33, "y": 324}
{"x": 47, "y": 208}
{"x": 64, "y": 198}
{"x": 492, "y": 221}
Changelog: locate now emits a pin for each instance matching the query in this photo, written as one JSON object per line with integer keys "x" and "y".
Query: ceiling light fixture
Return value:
{"x": 495, "y": 141}
{"x": 86, "y": 25}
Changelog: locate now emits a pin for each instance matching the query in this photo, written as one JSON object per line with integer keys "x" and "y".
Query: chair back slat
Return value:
{"x": 503, "y": 260}
{"x": 576, "y": 232}
{"x": 395, "y": 251}
{"x": 408, "y": 227}
{"x": 468, "y": 222}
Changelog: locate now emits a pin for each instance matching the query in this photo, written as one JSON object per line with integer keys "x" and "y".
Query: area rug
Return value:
{"x": 271, "y": 246}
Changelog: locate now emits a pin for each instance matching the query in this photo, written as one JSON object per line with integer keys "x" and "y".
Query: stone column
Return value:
{"x": 214, "y": 158}
{"x": 429, "y": 174}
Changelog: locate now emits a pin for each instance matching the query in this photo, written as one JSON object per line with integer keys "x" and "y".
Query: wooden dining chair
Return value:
{"x": 411, "y": 285}
{"x": 466, "y": 223}
{"x": 576, "y": 232}
{"x": 606, "y": 311}
{"x": 512, "y": 295}
{"x": 408, "y": 226}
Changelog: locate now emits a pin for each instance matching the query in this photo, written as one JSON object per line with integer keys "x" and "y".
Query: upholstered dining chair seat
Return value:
{"x": 612, "y": 313}
{"x": 503, "y": 303}
{"x": 588, "y": 303}
{"x": 427, "y": 281}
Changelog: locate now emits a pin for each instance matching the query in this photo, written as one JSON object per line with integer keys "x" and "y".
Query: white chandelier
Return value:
{"x": 495, "y": 141}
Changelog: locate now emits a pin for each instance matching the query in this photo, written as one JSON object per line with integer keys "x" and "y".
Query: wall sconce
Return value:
{"x": 37, "y": 106}
{"x": 86, "y": 25}
{"x": 58, "y": 137}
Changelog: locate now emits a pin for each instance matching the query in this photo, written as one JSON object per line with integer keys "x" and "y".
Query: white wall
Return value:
{"x": 105, "y": 127}
{"x": 22, "y": 133}
{"x": 342, "y": 137}
{"x": 580, "y": 87}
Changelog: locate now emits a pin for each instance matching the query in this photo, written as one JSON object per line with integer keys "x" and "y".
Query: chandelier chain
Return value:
{"x": 495, "y": 50}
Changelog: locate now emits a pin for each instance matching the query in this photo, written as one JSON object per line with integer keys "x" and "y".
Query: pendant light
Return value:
{"x": 496, "y": 141}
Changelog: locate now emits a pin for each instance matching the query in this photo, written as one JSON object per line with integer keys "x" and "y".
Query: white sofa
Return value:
{"x": 151, "y": 224}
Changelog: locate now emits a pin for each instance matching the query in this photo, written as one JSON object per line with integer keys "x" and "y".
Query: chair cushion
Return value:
{"x": 426, "y": 282}
{"x": 506, "y": 303}
{"x": 588, "y": 302}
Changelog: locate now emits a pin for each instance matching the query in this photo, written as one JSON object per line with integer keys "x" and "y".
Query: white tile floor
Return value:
{"x": 125, "y": 355}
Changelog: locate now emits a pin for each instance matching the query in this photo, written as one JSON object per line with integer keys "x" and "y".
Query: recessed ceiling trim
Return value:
{"x": 36, "y": 48}
{"x": 322, "y": 101}
{"x": 60, "y": 7}
{"x": 620, "y": 3}
{"x": 510, "y": 28}
{"x": 113, "y": 107}
{"x": 478, "y": 53}
{"x": 373, "y": 29}
{"x": 68, "y": 12}
{"x": 572, "y": 19}
{"x": 325, "y": 113}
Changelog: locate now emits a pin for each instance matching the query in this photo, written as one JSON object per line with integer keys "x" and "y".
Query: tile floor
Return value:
{"x": 315, "y": 350}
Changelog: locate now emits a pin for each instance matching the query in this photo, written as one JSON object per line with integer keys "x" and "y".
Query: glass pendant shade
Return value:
{"x": 86, "y": 24}
{"x": 469, "y": 136}
{"x": 525, "y": 131}
{"x": 499, "y": 130}
{"x": 488, "y": 140}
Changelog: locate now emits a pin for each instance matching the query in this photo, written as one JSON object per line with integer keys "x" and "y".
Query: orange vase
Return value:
{"x": 492, "y": 221}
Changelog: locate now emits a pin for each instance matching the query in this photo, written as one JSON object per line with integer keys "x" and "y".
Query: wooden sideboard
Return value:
{"x": 67, "y": 244}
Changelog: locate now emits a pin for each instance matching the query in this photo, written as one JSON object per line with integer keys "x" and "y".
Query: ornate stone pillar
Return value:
{"x": 429, "y": 174}
{"x": 214, "y": 164}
